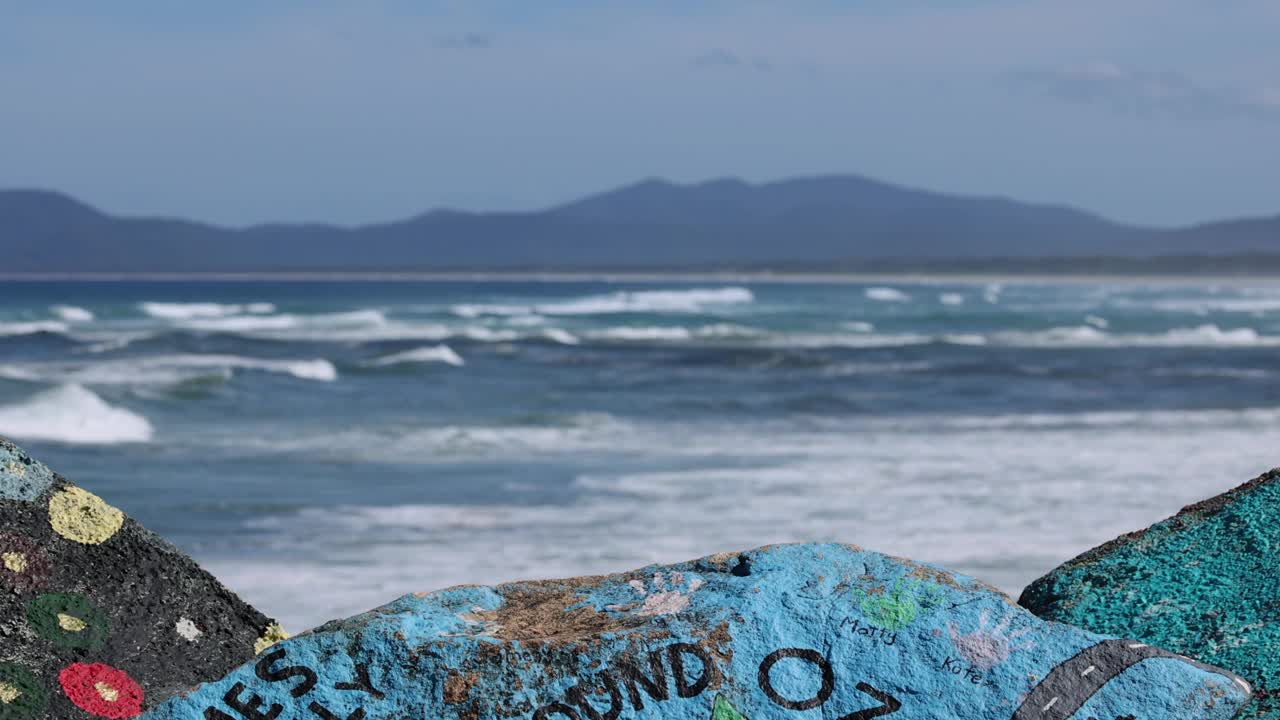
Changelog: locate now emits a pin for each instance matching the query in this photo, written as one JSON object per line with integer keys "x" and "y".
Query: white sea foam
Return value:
{"x": 188, "y": 311}
{"x": 640, "y": 301}
{"x": 633, "y": 334}
{"x": 71, "y": 313}
{"x": 860, "y": 326}
{"x": 1203, "y": 306}
{"x": 1090, "y": 336}
{"x": 163, "y": 369}
{"x": 564, "y": 337}
{"x": 848, "y": 340}
{"x": 886, "y": 294}
{"x": 243, "y": 323}
{"x": 1097, "y": 321}
{"x": 31, "y": 328}
{"x": 951, "y": 299}
{"x": 435, "y": 354}
{"x": 964, "y": 339}
{"x": 945, "y": 490}
{"x": 526, "y": 320}
{"x": 72, "y": 414}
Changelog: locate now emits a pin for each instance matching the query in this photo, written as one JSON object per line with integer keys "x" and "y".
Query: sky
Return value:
{"x": 1160, "y": 112}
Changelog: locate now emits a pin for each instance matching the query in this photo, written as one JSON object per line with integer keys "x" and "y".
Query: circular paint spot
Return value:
{"x": 68, "y": 620}
{"x": 272, "y": 635}
{"x": 23, "y": 563}
{"x": 187, "y": 630}
{"x": 101, "y": 690}
{"x": 21, "y": 695}
{"x": 79, "y": 515}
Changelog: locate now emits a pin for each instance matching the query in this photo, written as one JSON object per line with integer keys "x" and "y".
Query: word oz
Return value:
{"x": 250, "y": 708}
{"x": 888, "y": 703}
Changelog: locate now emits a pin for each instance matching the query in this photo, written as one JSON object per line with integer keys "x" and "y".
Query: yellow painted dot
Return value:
{"x": 273, "y": 634}
{"x": 14, "y": 561}
{"x": 107, "y": 692}
{"x": 71, "y": 623}
{"x": 8, "y": 693}
{"x": 83, "y": 517}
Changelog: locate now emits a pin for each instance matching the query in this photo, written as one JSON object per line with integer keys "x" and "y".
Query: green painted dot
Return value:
{"x": 68, "y": 620}
{"x": 22, "y": 697}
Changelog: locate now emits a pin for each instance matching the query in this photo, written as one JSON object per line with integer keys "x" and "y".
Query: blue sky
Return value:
{"x": 1152, "y": 111}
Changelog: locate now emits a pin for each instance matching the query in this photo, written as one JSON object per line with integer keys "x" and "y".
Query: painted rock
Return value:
{"x": 795, "y": 631}
{"x": 1205, "y": 582}
{"x": 100, "y": 618}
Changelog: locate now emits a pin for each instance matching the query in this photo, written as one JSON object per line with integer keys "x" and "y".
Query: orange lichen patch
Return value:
{"x": 458, "y": 686}
{"x": 551, "y": 611}
{"x": 272, "y": 635}
{"x": 80, "y": 516}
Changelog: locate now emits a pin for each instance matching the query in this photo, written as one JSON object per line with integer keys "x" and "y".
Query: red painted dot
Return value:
{"x": 101, "y": 690}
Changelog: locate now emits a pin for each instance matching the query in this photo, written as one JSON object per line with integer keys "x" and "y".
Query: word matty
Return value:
{"x": 866, "y": 630}
{"x": 250, "y": 707}
{"x": 631, "y": 681}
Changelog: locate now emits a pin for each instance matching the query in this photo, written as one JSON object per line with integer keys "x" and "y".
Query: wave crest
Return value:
{"x": 71, "y": 414}
{"x": 638, "y": 301}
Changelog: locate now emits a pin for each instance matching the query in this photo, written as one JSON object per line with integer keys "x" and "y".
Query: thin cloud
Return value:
{"x": 721, "y": 58}
{"x": 465, "y": 41}
{"x": 1143, "y": 92}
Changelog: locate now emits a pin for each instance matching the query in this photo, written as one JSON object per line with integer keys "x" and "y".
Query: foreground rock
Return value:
{"x": 804, "y": 631}
{"x": 1205, "y": 582}
{"x": 98, "y": 616}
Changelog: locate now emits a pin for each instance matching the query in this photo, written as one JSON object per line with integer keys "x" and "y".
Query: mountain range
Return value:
{"x": 831, "y": 222}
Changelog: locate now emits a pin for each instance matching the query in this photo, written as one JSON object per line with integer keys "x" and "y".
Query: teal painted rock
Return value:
{"x": 100, "y": 618}
{"x": 1205, "y": 582}
{"x": 814, "y": 632}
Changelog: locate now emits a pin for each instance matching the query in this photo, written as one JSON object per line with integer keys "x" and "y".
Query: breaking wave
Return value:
{"x": 639, "y": 301}
{"x": 71, "y": 414}
{"x": 188, "y": 311}
{"x": 435, "y": 354}
{"x": 163, "y": 369}
{"x": 31, "y": 328}
{"x": 886, "y": 294}
{"x": 71, "y": 313}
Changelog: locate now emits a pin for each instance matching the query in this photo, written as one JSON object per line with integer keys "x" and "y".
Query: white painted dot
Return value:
{"x": 187, "y": 629}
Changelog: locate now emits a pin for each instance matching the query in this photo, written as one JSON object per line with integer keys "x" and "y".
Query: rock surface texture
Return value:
{"x": 793, "y": 631}
{"x": 98, "y": 616}
{"x": 1205, "y": 582}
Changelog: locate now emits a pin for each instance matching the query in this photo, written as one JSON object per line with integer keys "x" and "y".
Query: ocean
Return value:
{"x": 324, "y": 447}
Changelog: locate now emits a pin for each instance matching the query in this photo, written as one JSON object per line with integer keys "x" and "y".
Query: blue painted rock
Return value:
{"x": 98, "y": 616}
{"x": 1205, "y": 582}
{"x": 796, "y": 631}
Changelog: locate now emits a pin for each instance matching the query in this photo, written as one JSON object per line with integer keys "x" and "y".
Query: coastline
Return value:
{"x": 789, "y": 277}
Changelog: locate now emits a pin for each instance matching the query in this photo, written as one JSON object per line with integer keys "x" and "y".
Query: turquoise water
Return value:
{"x": 324, "y": 447}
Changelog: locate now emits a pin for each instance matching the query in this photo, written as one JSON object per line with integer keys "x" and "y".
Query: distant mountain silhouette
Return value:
{"x": 819, "y": 222}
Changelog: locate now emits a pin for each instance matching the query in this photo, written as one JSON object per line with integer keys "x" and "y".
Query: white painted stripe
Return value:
{"x": 1088, "y": 670}
{"x": 1052, "y": 702}
{"x": 1138, "y": 645}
